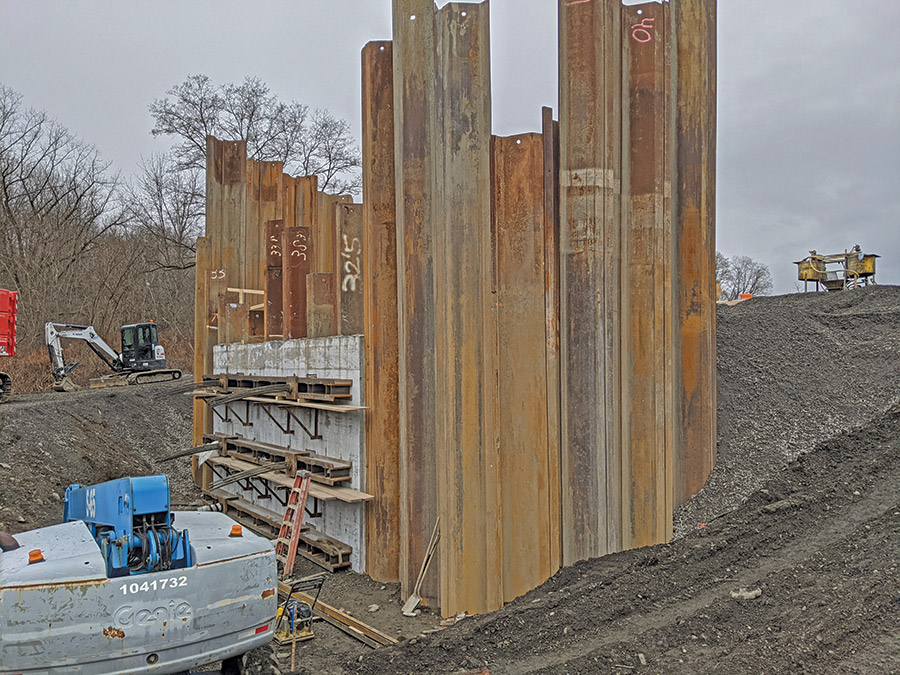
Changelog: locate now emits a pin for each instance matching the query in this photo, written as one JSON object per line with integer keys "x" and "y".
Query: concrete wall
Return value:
{"x": 343, "y": 434}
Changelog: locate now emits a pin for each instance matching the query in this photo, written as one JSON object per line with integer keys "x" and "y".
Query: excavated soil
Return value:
{"x": 793, "y": 371}
{"x": 800, "y": 519}
{"x": 49, "y": 441}
{"x": 817, "y": 547}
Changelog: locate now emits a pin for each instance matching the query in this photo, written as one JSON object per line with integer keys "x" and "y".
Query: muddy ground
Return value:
{"x": 802, "y": 513}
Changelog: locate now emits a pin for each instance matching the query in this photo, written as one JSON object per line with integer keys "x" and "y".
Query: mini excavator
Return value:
{"x": 142, "y": 360}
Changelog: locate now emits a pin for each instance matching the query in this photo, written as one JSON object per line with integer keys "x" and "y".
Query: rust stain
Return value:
{"x": 112, "y": 632}
{"x": 268, "y": 593}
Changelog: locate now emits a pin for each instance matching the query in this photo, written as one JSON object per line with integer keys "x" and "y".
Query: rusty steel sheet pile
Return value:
{"x": 382, "y": 342}
{"x": 414, "y": 75}
{"x": 538, "y": 309}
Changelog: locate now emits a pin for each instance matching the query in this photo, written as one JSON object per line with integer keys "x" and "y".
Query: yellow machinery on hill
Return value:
{"x": 839, "y": 271}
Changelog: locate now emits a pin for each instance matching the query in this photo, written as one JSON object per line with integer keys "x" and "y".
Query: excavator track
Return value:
{"x": 5, "y": 387}
{"x": 166, "y": 375}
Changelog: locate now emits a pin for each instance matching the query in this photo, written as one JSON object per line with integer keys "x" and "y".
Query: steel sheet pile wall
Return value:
{"x": 538, "y": 309}
{"x": 256, "y": 260}
{"x": 637, "y": 102}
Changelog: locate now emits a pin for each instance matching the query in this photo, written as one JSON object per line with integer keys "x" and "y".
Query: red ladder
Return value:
{"x": 289, "y": 535}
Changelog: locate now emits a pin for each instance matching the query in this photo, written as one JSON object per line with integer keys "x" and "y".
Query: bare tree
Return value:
{"x": 307, "y": 143}
{"x": 58, "y": 208}
{"x": 167, "y": 207}
{"x": 742, "y": 274}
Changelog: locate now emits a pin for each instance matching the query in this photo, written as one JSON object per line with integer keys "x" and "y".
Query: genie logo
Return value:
{"x": 171, "y": 615}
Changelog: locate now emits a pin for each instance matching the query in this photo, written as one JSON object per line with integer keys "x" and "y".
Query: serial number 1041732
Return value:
{"x": 156, "y": 584}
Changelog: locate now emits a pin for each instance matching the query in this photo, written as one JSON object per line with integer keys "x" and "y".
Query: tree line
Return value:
{"x": 84, "y": 244}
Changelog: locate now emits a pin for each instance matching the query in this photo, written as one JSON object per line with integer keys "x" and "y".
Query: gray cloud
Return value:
{"x": 809, "y": 94}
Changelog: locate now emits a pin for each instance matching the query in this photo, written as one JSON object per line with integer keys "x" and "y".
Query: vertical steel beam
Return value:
{"x": 413, "y": 30}
{"x": 465, "y": 316}
{"x": 299, "y": 254}
{"x": 274, "y": 279}
{"x": 590, "y": 184}
{"x": 297, "y": 249}
{"x": 647, "y": 296}
{"x": 694, "y": 214}
{"x": 325, "y": 230}
{"x": 202, "y": 339}
{"x": 220, "y": 264}
{"x": 348, "y": 264}
{"x": 525, "y": 398}
{"x": 550, "y": 161}
{"x": 320, "y": 305}
{"x": 381, "y": 329}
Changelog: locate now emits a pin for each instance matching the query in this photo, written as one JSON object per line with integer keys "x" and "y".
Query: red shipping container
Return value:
{"x": 8, "y": 304}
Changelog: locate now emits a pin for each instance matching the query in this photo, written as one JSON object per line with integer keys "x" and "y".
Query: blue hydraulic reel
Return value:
{"x": 132, "y": 522}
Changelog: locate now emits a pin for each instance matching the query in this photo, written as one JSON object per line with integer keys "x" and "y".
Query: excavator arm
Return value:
{"x": 54, "y": 333}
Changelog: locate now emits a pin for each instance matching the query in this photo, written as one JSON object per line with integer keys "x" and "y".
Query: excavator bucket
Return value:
{"x": 64, "y": 384}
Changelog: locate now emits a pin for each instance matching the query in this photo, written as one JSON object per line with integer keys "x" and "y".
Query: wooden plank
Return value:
{"x": 274, "y": 279}
{"x": 357, "y": 627}
{"x": 414, "y": 78}
{"x": 341, "y": 408}
{"x": 380, "y": 313}
{"x": 518, "y": 215}
{"x": 465, "y": 317}
{"x": 348, "y": 264}
{"x": 202, "y": 342}
{"x": 320, "y": 305}
{"x": 282, "y": 480}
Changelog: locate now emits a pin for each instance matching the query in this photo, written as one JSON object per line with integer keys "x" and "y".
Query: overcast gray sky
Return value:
{"x": 809, "y": 94}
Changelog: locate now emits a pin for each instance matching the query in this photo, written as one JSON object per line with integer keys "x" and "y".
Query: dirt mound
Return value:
{"x": 49, "y": 441}
{"x": 803, "y": 577}
{"x": 793, "y": 371}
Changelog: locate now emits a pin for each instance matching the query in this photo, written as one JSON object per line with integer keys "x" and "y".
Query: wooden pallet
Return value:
{"x": 282, "y": 481}
{"x": 299, "y": 388}
{"x": 324, "y": 469}
{"x": 323, "y": 550}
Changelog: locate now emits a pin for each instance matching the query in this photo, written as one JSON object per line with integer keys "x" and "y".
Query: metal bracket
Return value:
{"x": 284, "y": 430}
{"x": 313, "y": 435}
{"x": 317, "y": 510}
{"x": 246, "y": 421}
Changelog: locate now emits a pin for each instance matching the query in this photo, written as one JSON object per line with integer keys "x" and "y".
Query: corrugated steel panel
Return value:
{"x": 648, "y": 299}
{"x": 694, "y": 216}
{"x": 413, "y": 114}
{"x": 550, "y": 139}
{"x": 465, "y": 316}
{"x": 590, "y": 197}
{"x": 348, "y": 265}
{"x": 382, "y": 346}
{"x": 320, "y": 304}
{"x": 526, "y": 450}
{"x": 274, "y": 279}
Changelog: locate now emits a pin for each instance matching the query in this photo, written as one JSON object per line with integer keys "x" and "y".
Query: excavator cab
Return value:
{"x": 140, "y": 347}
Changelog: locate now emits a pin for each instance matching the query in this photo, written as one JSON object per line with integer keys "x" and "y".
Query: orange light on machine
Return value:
{"x": 35, "y": 556}
{"x": 236, "y": 531}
